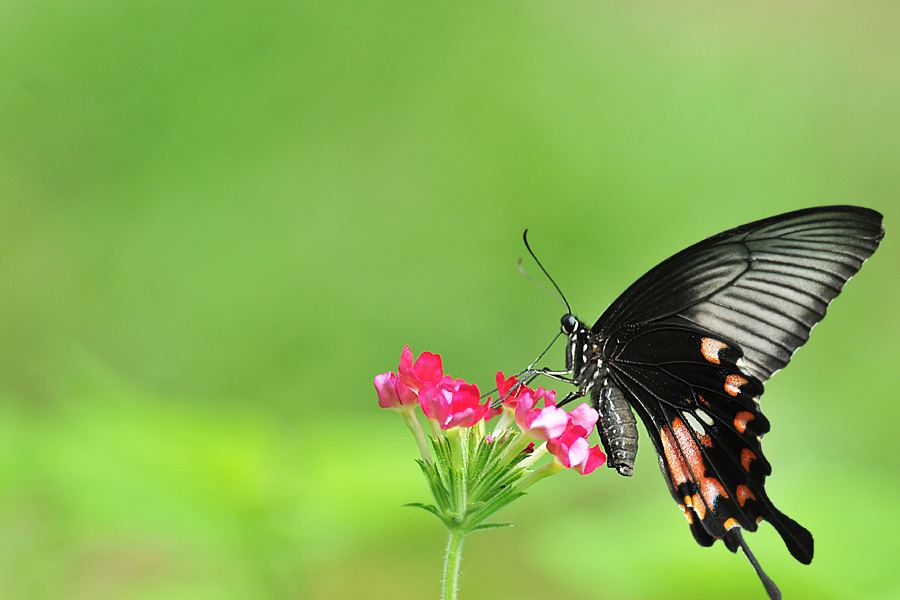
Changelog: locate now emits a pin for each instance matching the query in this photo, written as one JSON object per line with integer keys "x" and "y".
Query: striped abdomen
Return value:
{"x": 617, "y": 429}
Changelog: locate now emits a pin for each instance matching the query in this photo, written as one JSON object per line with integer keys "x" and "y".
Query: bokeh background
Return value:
{"x": 218, "y": 221}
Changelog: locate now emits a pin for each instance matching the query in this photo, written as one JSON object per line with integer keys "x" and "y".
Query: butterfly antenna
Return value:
{"x": 561, "y": 297}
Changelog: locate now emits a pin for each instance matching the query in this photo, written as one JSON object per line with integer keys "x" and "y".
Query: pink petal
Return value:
{"x": 584, "y": 416}
{"x": 549, "y": 396}
{"x": 504, "y": 386}
{"x": 386, "y": 388}
{"x": 578, "y": 451}
{"x": 392, "y": 393}
{"x": 435, "y": 403}
{"x": 466, "y": 417}
{"x": 595, "y": 458}
{"x": 490, "y": 413}
{"x": 466, "y": 394}
{"x": 428, "y": 368}
{"x": 405, "y": 369}
{"x": 465, "y": 406}
{"x": 547, "y": 423}
{"x": 523, "y": 410}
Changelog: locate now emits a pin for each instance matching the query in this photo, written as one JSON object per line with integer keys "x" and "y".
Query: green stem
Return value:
{"x": 416, "y": 428}
{"x": 458, "y": 473}
{"x": 515, "y": 448}
{"x": 535, "y": 476}
{"x": 537, "y": 455}
{"x": 451, "y": 563}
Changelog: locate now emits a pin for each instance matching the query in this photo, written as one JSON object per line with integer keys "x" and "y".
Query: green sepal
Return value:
{"x": 471, "y": 479}
{"x": 436, "y": 484}
{"x": 489, "y": 508}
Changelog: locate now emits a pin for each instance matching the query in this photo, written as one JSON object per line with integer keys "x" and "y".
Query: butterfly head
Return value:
{"x": 570, "y": 324}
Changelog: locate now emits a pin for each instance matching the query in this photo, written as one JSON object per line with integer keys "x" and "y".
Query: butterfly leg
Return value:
{"x": 571, "y": 396}
{"x": 527, "y": 376}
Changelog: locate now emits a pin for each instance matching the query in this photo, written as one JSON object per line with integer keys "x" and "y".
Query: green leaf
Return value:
{"x": 433, "y": 510}
{"x": 492, "y": 526}
{"x": 479, "y": 460}
{"x": 436, "y": 485}
{"x": 490, "y": 508}
{"x": 492, "y": 479}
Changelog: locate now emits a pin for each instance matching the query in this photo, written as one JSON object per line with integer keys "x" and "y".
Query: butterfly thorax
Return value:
{"x": 583, "y": 358}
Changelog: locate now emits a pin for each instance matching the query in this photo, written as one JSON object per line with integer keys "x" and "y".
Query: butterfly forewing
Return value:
{"x": 763, "y": 285}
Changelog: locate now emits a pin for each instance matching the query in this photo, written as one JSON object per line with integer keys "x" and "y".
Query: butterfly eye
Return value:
{"x": 569, "y": 324}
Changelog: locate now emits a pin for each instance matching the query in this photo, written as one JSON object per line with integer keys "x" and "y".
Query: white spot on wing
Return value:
{"x": 704, "y": 416}
{"x": 694, "y": 423}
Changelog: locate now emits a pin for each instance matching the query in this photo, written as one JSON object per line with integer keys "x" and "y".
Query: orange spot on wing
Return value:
{"x": 688, "y": 513}
{"x": 677, "y": 469}
{"x": 710, "y": 349}
{"x": 710, "y": 488}
{"x": 702, "y": 399}
{"x": 743, "y": 493}
{"x": 740, "y": 422}
{"x": 733, "y": 384}
{"x": 746, "y": 456}
{"x": 732, "y": 522}
{"x": 697, "y": 503}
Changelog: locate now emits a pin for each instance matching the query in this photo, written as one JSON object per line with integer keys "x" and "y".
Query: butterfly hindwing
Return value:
{"x": 707, "y": 427}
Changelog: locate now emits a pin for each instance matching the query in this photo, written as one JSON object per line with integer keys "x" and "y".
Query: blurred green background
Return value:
{"x": 221, "y": 220}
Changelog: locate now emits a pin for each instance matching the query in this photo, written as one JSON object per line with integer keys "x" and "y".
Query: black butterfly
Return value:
{"x": 689, "y": 345}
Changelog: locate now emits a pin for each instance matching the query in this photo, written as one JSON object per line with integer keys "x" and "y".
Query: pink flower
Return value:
{"x": 505, "y": 385}
{"x": 510, "y": 390}
{"x": 544, "y": 423}
{"x": 452, "y": 403}
{"x": 571, "y": 447}
{"x": 426, "y": 369}
{"x": 584, "y": 416}
{"x": 502, "y": 388}
{"x": 392, "y": 393}
{"x": 596, "y": 458}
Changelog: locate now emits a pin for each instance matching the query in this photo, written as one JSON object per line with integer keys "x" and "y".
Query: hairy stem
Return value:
{"x": 451, "y": 563}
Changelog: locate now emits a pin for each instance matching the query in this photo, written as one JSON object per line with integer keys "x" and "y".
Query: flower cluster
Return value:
{"x": 450, "y": 403}
{"x": 471, "y": 474}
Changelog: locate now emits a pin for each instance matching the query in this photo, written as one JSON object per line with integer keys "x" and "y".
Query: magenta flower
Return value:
{"x": 452, "y": 403}
{"x": 455, "y": 403}
{"x": 392, "y": 393}
{"x": 473, "y": 474}
{"x": 596, "y": 458}
{"x": 571, "y": 447}
{"x": 505, "y": 385}
{"x": 544, "y": 423}
{"x": 584, "y": 416}
{"x": 426, "y": 369}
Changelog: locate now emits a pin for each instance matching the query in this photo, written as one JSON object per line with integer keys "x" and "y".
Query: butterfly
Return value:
{"x": 688, "y": 348}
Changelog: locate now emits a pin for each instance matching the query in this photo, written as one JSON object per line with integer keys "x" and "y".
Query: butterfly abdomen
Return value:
{"x": 617, "y": 428}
